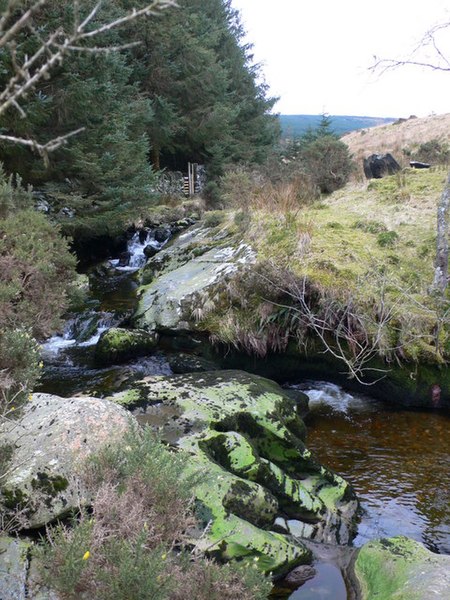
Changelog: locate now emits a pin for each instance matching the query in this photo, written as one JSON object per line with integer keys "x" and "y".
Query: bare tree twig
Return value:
{"x": 52, "y": 52}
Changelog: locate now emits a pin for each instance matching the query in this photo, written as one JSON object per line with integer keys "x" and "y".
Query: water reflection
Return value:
{"x": 398, "y": 462}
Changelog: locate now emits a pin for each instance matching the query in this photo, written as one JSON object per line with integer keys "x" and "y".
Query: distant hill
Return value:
{"x": 294, "y": 126}
{"x": 399, "y": 138}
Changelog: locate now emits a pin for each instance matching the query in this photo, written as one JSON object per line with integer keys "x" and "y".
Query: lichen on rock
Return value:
{"x": 50, "y": 440}
{"x": 246, "y": 440}
{"x": 403, "y": 569}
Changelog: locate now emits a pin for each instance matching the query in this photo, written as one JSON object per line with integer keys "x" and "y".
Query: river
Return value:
{"x": 397, "y": 460}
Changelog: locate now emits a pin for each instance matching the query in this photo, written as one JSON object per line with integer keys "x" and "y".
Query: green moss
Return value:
{"x": 50, "y": 485}
{"x": 399, "y": 568}
{"x": 14, "y": 499}
{"x": 241, "y": 430}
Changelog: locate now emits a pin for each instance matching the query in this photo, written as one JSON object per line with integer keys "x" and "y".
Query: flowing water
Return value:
{"x": 398, "y": 461}
{"x": 69, "y": 356}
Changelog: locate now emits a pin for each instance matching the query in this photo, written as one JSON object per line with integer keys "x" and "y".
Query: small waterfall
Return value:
{"x": 331, "y": 397}
{"x": 140, "y": 247}
{"x": 81, "y": 330}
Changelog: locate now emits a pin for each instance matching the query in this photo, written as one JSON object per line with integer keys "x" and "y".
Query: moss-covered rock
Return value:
{"x": 50, "y": 440}
{"x": 118, "y": 345}
{"x": 14, "y": 562}
{"x": 402, "y": 569}
{"x": 176, "y": 283}
{"x": 245, "y": 434}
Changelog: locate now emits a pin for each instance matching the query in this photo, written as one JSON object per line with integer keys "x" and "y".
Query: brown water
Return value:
{"x": 399, "y": 464}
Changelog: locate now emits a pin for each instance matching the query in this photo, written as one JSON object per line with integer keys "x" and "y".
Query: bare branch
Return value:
{"x": 52, "y": 52}
{"x": 42, "y": 149}
{"x": 20, "y": 23}
{"x": 440, "y": 63}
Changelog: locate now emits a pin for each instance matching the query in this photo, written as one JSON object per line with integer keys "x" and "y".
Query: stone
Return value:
{"x": 189, "y": 363}
{"x": 143, "y": 235}
{"x": 51, "y": 439}
{"x": 415, "y": 164}
{"x": 377, "y": 166}
{"x": 124, "y": 259}
{"x": 150, "y": 250}
{"x": 162, "y": 233}
{"x": 181, "y": 278}
{"x": 298, "y": 576}
{"x": 14, "y": 563}
{"x": 117, "y": 345}
{"x": 403, "y": 569}
{"x": 245, "y": 438}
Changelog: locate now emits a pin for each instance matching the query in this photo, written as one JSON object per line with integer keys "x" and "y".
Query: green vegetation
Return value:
{"x": 187, "y": 92}
{"x": 37, "y": 271}
{"x": 136, "y": 542}
{"x": 330, "y": 275}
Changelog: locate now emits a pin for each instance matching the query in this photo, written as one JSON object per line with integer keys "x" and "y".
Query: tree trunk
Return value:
{"x": 154, "y": 156}
{"x": 441, "y": 262}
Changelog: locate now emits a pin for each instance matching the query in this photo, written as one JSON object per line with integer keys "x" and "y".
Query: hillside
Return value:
{"x": 294, "y": 126}
{"x": 398, "y": 138}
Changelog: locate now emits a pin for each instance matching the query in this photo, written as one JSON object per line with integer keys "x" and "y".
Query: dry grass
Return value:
{"x": 397, "y": 137}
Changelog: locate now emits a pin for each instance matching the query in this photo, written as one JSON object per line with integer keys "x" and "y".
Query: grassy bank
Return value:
{"x": 352, "y": 270}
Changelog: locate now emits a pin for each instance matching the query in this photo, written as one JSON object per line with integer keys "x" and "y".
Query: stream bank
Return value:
{"x": 396, "y": 514}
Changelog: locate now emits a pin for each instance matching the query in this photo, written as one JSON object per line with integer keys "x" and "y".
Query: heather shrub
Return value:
{"x": 19, "y": 368}
{"x": 135, "y": 541}
{"x": 36, "y": 273}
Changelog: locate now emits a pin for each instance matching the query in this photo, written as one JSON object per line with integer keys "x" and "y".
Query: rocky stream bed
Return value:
{"x": 272, "y": 489}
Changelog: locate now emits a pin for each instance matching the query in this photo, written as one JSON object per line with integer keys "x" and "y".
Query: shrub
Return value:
{"x": 327, "y": 160}
{"x": 36, "y": 270}
{"x": 433, "y": 151}
{"x": 19, "y": 368}
{"x": 134, "y": 544}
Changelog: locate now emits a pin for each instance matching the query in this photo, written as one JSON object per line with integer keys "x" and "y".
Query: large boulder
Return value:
{"x": 117, "y": 345}
{"x": 377, "y": 166}
{"x": 403, "y": 569}
{"x": 49, "y": 441}
{"x": 178, "y": 282}
{"x": 246, "y": 439}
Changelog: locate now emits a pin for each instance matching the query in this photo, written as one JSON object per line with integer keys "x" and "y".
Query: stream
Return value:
{"x": 397, "y": 460}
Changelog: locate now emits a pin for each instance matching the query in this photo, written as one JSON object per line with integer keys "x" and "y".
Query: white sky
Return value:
{"x": 315, "y": 55}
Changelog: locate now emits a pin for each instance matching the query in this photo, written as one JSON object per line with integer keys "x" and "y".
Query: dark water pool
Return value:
{"x": 398, "y": 462}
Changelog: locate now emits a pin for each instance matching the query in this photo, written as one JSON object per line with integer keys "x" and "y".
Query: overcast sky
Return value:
{"x": 316, "y": 55}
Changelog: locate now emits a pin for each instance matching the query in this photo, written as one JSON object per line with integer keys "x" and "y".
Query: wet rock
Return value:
{"x": 143, "y": 235}
{"x": 402, "y": 568}
{"x": 118, "y": 345}
{"x": 298, "y": 576}
{"x": 51, "y": 438}
{"x": 301, "y": 401}
{"x": 162, "y": 234}
{"x": 246, "y": 439}
{"x": 189, "y": 363}
{"x": 150, "y": 250}
{"x": 124, "y": 259}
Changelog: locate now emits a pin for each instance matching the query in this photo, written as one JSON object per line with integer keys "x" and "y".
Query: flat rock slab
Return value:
{"x": 50, "y": 441}
{"x": 14, "y": 565}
